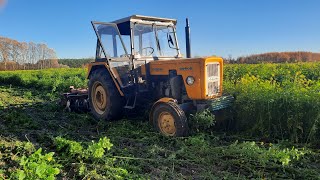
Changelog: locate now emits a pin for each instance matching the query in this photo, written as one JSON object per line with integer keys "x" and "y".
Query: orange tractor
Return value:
{"x": 139, "y": 65}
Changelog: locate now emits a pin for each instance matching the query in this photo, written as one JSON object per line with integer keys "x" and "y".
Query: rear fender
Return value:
{"x": 97, "y": 65}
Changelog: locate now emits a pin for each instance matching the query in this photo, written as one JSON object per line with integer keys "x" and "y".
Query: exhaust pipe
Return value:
{"x": 188, "y": 44}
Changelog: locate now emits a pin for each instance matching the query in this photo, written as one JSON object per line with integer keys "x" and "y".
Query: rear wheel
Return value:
{"x": 170, "y": 120}
{"x": 104, "y": 99}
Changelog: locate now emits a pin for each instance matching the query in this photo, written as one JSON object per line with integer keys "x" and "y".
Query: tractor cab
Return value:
{"x": 128, "y": 43}
{"x": 137, "y": 38}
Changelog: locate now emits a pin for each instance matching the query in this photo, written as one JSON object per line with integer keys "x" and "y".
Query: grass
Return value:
{"x": 15, "y": 96}
{"x": 50, "y": 80}
{"x": 77, "y": 147}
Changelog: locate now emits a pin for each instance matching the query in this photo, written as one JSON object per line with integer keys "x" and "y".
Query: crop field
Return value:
{"x": 272, "y": 131}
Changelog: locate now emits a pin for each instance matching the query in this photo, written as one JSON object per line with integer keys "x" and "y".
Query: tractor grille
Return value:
{"x": 213, "y": 79}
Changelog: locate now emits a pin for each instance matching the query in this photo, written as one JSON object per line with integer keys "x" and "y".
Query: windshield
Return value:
{"x": 155, "y": 41}
{"x": 110, "y": 40}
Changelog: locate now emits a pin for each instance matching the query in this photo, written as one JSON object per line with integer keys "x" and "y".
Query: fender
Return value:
{"x": 95, "y": 65}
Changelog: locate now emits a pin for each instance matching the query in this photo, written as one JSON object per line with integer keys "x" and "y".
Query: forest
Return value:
{"x": 277, "y": 57}
{"x": 16, "y": 55}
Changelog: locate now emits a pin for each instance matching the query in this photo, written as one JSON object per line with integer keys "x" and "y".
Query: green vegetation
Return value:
{"x": 51, "y": 80}
{"x": 75, "y": 63}
{"x": 201, "y": 121}
{"x": 279, "y": 101}
{"x": 37, "y": 166}
{"x": 274, "y": 135}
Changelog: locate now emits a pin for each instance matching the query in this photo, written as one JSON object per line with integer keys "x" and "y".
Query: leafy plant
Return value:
{"x": 37, "y": 166}
{"x": 202, "y": 121}
{"x": 73, "y": 148}
{"x": 97, "y": 150}
{"x": 87, "y": 157}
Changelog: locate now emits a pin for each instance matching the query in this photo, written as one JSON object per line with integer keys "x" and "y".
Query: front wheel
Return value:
{"x": 169, "y": 119}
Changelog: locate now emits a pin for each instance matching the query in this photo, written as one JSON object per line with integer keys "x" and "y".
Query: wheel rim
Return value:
{"x": 99, "y": 98}
{"x": 166, "y": 123}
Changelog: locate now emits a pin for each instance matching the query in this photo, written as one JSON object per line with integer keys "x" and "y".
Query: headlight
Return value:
{"x": 190, "y": 80}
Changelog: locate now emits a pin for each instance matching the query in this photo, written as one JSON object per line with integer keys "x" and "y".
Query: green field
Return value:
{"x": 272, "y": 131}
{"x": 277, "y": 101}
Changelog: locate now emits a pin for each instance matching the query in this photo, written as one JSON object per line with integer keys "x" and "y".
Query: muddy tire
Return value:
{"x": 105, "y": 101}
{"x": 170, "y": 120}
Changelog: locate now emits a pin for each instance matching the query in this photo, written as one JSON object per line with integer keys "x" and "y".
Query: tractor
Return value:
{"x": 138, "y": 65}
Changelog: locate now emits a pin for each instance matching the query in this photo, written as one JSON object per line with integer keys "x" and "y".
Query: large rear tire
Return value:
{"x": 170, "y": 120}
{"x": 104, "y": 99}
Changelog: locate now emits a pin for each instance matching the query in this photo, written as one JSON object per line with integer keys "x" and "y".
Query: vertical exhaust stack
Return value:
{"x": 188, "y": 44}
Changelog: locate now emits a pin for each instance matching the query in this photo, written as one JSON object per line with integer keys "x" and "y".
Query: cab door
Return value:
{"x": 112, "y": 50}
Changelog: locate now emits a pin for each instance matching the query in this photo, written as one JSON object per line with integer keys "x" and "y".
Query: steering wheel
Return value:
{"x": 151, "y": 50}
{"x": 124, "y": 55}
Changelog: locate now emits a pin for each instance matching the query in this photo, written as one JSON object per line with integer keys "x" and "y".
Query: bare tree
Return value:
{"x": 22, "y": 55}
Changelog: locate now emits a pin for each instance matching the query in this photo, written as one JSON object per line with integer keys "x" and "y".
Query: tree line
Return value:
{"x": 276, "y": 57}
{"x": 16, "y": 55}
{"x": 76, "y": 63}
{"x": 26, "y": 55}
